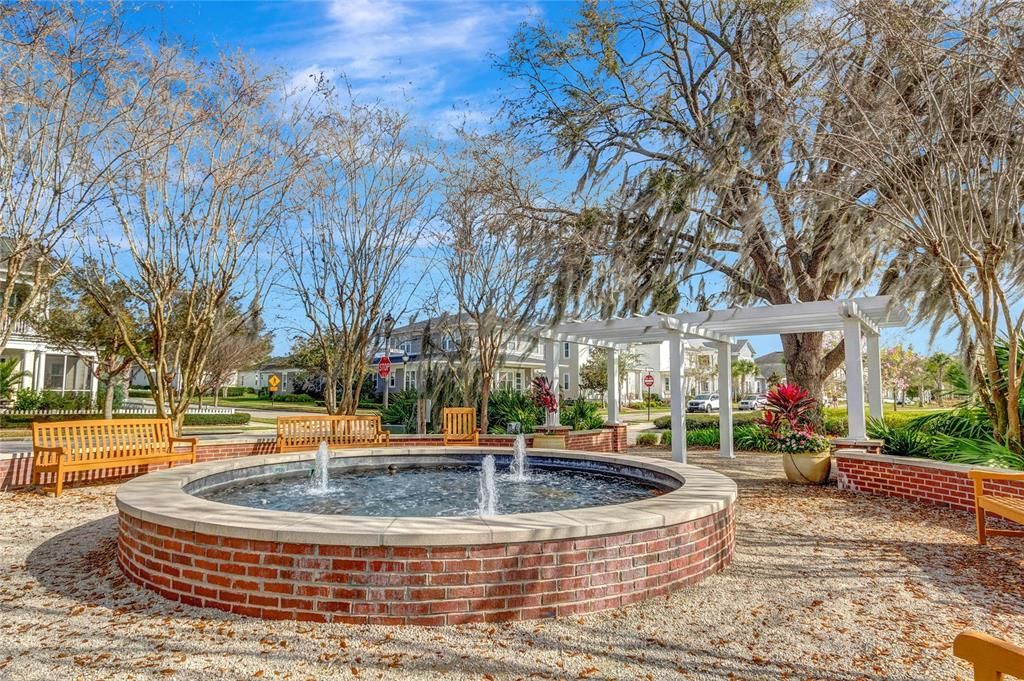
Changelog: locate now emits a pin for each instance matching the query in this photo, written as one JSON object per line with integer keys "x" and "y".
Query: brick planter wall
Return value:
{"x": 922, "y": 480}
{"x": 16, "y": 469}
{"x": 433, "y": 585}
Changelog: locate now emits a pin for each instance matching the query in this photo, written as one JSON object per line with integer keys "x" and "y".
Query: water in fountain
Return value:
{"x": 518, "y": 471}
{"x": 487, "y": 495}
{"x": 318, "y": 479}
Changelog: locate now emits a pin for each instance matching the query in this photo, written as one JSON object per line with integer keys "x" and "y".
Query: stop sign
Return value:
{"x": 384, "y": 367}
{"x": 648, "y": 380}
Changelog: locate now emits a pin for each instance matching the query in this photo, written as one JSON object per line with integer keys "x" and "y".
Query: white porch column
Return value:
{"x": 613, "y": 386}
{"x": 854, "y": 380}
{"x": 677, "y": 363}
{"x": 725, "y": 446}
{"x": 874, "y": 358}
{"x": 39, "y": 376}
{"x": 28, "y": 365}
{"x": 552, "y": 350}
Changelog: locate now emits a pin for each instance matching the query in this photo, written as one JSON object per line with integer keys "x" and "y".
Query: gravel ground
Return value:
{"x": 825, "y": 585}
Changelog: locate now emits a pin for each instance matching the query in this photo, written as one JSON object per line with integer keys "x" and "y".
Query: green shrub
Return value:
{"x": 580, "y": 415}
{"x": 139, "y": 392}
{"x": 647, "y": 439}
{"x": 297, "y": 398}
{"x": 834, "y": 424}
{"x": 401, "y": 410}
{"x": 666, "y": 438}
{"x": 119, "y": 395}
{"x": 752, "y": 437}
{"x": 26, "y": 399}
{"x": 371, "y": 404}
{"x": 507, "y": 406}
{"x": 900, "y": 440}
{"x": 238, "y": 391}
{"x": 237, "y": 419}
{"x": 699, "y": 421}
{"x": 702, "y": 437}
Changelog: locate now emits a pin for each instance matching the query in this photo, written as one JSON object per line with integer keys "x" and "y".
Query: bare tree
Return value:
{"x": 949, "y": 152}
{"x": 209, "y": 161}
{"x": 239, "y": 343}
{"x": 497, "y": 267}
{"x": 367, "y": 198}
{"x": 60, "y": 93}
{"x": 706, "y": 123}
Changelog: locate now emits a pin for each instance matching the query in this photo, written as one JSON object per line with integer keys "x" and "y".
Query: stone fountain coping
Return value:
{"x": 160, "y": 498}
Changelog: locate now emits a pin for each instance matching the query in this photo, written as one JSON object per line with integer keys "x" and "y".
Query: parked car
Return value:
{"x": 704, "y": 403}
{"x": 753, "y": 403}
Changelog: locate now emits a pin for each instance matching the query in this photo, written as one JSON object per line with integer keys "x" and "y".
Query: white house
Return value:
{"x": 48, "y": 367}
{"x": 521, "y": 361}
{"x": 701, "y": 369}
{"x": 259, "y": 377}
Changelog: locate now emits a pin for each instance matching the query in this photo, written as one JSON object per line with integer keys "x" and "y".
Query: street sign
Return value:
{"x": 273, "y": 383}
{"x": 649, "y": 381}
{"x": 384, "y": 367}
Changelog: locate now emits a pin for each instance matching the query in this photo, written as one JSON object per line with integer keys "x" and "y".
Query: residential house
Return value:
{"x": 49, "y": 367}
{"x": 771, "y": 366}
{"x": 701, "y": 370}
{"x": 521, "y": 361}
{"x": 287, "y": 373}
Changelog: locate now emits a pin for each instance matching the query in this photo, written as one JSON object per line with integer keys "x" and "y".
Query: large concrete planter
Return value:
{"x": 809, "y": 468}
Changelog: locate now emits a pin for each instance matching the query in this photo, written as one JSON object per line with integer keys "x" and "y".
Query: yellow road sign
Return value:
{"x": 273, "y": 383}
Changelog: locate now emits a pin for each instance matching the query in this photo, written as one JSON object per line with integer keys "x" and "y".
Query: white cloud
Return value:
{"x": 421, "y": 53}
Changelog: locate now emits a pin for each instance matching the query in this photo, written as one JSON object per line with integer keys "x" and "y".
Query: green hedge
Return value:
{"x": 703, "y": 421}
{"x": 300, "y": 398}
{"x": 26, "y": 420}
{"x": 140, "y": 392}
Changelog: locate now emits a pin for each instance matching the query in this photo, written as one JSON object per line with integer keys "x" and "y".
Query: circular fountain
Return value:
{"x": 424, "y": 536}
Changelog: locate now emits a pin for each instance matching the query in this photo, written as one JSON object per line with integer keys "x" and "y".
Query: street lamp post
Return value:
{"x": 387, "y": 325}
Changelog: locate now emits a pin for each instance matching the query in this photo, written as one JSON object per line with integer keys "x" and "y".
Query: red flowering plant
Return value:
{"x": 789, "y": 419}
{"x": 543, "y": 394}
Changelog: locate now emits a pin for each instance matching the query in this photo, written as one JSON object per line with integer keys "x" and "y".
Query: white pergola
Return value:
{"x": 856, "y": 318}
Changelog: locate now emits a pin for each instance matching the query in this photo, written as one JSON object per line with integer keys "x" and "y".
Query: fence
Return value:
{"x": 128, "y": 410}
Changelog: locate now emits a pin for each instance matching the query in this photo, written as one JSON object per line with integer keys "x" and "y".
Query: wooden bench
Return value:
{"x": 992, "y": 659}
{"x": 61, "y": 447}
{"x": 458, "y": 426}
{"x": 1011, "y": 508}
{"x": 299, "y": 433}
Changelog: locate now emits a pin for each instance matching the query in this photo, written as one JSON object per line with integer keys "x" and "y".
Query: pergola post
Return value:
{"x": 613, "y": 386}
{"x": 676, "y": 361}
{"x": 874, "y": 358}
{"x": 551, "y": 367}
{"x": 725, "y": 445}
{"x": 854, "y": 380}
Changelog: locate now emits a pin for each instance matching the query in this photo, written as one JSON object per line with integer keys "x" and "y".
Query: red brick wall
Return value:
{"x": 942, "y": 485}
{"x": 422, "y": 585}
{"x": 17, "y": 471}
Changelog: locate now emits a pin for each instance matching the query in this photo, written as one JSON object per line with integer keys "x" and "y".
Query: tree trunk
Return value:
{"x": 108, "y": 399}
{"x": 485, "y": 393}
{"x": 803, "y": 355}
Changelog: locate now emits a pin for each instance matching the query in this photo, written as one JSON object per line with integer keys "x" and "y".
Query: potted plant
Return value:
{"x": 552, "y": 434}
{"x": 806, "y": 455}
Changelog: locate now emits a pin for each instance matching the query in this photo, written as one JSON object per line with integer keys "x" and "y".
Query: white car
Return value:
{"x": 753, "y": 403}
{"x": 705, "y": 403}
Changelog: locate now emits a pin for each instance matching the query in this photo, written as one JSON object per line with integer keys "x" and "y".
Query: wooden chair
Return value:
{"x": 458, "y": 425}
{"x": 61, "y": 447}
{"x": 1011, "y": 508}
{"x": 299, "y": 433}
{"x": 992, "y": 659}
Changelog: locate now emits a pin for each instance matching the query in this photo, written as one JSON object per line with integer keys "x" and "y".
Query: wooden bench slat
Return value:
{"x": 64, "y": 446}
{"x": 458, "y": 426}
{"x": 1011, "y": 508}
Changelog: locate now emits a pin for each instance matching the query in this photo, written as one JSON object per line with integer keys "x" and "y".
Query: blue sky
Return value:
{"x": 433, "y": 59}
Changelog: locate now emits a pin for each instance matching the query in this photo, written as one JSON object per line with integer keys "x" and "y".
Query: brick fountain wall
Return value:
{"x": 423, "y": 585}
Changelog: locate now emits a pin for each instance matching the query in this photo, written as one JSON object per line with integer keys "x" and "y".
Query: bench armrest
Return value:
{"x": 991, "y": 657}
{"x": 992, "y": 475}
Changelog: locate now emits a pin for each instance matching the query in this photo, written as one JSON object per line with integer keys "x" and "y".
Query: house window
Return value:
{"x": 448, "y": 344}
{"x": 512, "y": 344}
{"x": 391, "y": 380}
{"x": 410, "y": 379}
{"x": 406, "y": 347}
{"x": 566, "y": 352}
{"x": 519, "y": 381}
{"x": 565, "y": 381}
